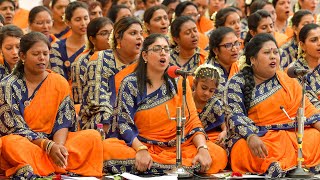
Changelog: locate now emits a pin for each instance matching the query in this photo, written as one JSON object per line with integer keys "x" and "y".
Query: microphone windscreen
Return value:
{"x": 172, "y": 71}
{"x": 291, "y": 72}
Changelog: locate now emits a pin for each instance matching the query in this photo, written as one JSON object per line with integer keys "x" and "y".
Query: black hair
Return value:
{"x": 177, "y": 23}
{"x": 274, "y": 3}
{"x": 26, "y": 42}
{"x": 36, "y": 10}
{"x": 121, "y": 26}
{"x": 258, "y": 4}
{"x": 53, "y": 2}
{"x": 304, "y": 32}
{"x": 1, "y": 19}
{"x": 167, "y": 2}
{"x": 114, "y": 10}
{"x": 103, "y": 3}
{"x": 14, "y": 5}
{"x": 10, "y": 31}
{"x": 72, "y": 7}
{"x": 222, "y": 15}
{"x": 150, "y": 11}
{"x": 251, "y": 50}
{"x": 254, "y": 21}
{"x": 182, "y": 6}
{"x": 92, "y": 5}
{"x": 216, "y": 38}
{"x": 141, "y": 69}
{"x": 297, "y": 16}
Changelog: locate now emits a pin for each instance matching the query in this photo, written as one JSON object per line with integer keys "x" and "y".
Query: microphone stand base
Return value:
{"x": 180, "y": 172}
{"x": 300, "y": 173}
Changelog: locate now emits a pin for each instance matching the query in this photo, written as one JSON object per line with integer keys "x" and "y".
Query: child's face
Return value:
{"x": 204, "y": 89}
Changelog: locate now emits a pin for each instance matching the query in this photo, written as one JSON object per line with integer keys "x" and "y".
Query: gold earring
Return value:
{"x": 118, "y": 46}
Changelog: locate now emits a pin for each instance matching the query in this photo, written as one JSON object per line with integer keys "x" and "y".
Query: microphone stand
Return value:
{"x": 180, "y": 118}
{"x": 299, "y": 172}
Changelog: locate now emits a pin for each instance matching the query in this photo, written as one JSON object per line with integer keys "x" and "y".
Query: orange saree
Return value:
{"x": 204, "y": 25}
{"x": 144, "y": 116}
{"x": 24, "y": 122}
{"x": 20, "y": 18}
{"x": 266, "y": 120}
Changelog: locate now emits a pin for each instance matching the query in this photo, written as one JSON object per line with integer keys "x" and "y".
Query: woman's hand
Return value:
{"x": 143, "y": 160}
{"x": 203, "y": 157}
{"x": 59, "y": 155}
{"x": 221, "y": 138}
{"x": 257, "y": 146}
{"x": 316, "y": 125}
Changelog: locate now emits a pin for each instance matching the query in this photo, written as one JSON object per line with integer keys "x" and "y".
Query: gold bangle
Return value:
{"x": 50, "y": 147}
{"x": 202, "y": 146}
{"x": 48, "y": 143}
{"x": 142, "y": 147}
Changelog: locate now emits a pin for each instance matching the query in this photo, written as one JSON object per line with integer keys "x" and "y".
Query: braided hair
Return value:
{"x": 252, "y": 49}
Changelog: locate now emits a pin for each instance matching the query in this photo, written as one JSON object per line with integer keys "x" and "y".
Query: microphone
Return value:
{"x": 175, "y": 71}
{"x": 294, "y": 72}
{"x": 285, "y": 112}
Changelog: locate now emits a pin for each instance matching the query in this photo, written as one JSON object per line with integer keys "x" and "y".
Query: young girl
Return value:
{"x": 65, "y": 51}
{"x": 210, "y": 107}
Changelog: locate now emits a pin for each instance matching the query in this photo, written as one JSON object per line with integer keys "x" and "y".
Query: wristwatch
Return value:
{"x": 202, "y": 146}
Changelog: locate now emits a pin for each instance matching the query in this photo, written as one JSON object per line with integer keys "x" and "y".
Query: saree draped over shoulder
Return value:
{"x": 60, "y": 62}
{"x": 275, "y": 129}
{"x": 24, "y": 119}
{"x": 212, "y": 116}
{"x": 144, "y": 116}
{"x": 312, "y": 81}
{"x": 102, "y": 81}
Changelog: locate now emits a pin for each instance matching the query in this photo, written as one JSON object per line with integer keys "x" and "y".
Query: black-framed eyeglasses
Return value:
{"x": 229, "y": 46}
{"x": 158, "y": 49}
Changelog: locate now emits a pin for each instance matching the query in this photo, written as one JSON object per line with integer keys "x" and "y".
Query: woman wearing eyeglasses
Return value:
{"x": 98, "y": 32}
{"x": 147, "y": 135}
{"x": 186, "y": 53}
{"x": 40, "y": 20}
{"x": 105, "y": 71}
{"x": 65, "y": 51}
{"x": 262, "y": 139}
{"x": 229, "y": 17}
{"x": 224, "y": 47}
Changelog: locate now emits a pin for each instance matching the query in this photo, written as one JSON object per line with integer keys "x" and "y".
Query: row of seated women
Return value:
{"x": 125, "y": 86}
{"x": 66, "y": 51}
{"x": 142, "y": 138}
